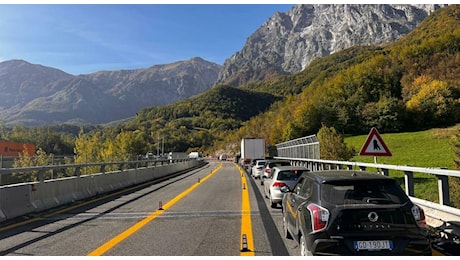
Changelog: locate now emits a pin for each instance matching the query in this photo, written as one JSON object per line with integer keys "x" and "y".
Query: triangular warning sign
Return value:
{"x": 374, "y": 145}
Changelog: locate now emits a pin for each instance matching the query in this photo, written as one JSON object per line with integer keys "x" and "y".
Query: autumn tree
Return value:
{"x": 432, "y": 102}
{"x": 41, "y": 158}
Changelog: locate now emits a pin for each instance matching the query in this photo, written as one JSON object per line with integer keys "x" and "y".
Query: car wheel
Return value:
{"x": 286, "y": 233}
{"x": 303, "y": 246}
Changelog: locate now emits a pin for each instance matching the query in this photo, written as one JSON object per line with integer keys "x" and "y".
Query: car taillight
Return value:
{"x": 259, "y": 168}
{"x": 267, "y": 170}
{"x": 419, "y": 216}
{"x": 278, "y": 184}
{"x": 319, "y": 217}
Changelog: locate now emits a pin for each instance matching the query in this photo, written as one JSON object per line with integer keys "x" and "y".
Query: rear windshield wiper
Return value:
{"x": 378, "y": 200}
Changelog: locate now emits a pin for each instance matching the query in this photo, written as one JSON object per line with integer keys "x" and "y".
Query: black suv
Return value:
{"x": 344, "y": 212}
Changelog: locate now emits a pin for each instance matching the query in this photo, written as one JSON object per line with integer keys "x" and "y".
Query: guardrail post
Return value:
{"x": 385, "y": 172}
{"x": 102, "y": 169}
{"x": 443, "y": 188}
{"x": 78, "y": 171}
{"x": 409, "y": 183}
{"x": 40, "y": 176}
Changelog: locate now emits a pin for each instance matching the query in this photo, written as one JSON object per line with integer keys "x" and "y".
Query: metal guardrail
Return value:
{"x": 50, "y": 172}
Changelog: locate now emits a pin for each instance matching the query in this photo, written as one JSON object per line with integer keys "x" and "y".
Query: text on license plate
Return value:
{"x": 373, "y": 245}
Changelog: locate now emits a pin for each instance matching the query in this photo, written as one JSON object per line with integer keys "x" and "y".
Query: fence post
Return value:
{"x": 385, "y": 172}
{"x": 102, "y": 169}
{"x": 409, "y": 183}
{"x": 40, "y": 176}
{"x": 443, "y": 188}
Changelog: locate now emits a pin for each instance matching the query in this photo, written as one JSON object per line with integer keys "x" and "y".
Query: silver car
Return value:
{"x": 258, "y": 169}
{"x": 281, "y": 176}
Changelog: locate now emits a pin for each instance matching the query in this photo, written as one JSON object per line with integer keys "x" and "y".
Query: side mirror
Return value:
{"x": 285, "y": 189}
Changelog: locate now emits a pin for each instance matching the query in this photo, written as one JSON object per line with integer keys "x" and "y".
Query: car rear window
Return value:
{"x": 291, "y": 175}
{"x": 363, "y": 192}
{"x": 276, "y": 164}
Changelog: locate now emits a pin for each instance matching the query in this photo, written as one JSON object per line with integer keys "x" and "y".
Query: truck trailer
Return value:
{"x": 251, "y": 148}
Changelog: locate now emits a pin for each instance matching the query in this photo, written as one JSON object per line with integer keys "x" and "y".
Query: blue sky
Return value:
{"x": 81, "y": 39}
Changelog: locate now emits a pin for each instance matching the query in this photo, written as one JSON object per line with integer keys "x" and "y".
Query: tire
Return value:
{"x": 286, "y": 233}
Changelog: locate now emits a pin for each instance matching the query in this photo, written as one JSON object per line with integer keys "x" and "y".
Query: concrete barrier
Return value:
{"x": 25, "y": 198}
{"x": 15, "y": 201}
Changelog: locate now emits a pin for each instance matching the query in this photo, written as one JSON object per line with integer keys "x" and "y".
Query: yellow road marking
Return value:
{"x": 246, "y": 224}
{"x": 128, "y": 232}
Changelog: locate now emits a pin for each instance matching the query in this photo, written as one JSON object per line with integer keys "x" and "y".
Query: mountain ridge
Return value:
{"x": 50, "y": 96}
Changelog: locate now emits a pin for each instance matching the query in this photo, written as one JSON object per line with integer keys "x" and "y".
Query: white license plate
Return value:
{"x": 374, "y": 245}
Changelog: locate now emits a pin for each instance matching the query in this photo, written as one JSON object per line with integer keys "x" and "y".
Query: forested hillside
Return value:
{"x": 411, "y": 84}
{"x": 196, "y": 122}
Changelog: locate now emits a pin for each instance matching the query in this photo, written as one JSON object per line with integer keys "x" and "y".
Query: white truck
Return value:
{"x": 251, "y": 148}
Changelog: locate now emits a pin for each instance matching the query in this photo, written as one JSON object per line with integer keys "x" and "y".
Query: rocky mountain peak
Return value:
{"x": 288, "y": 42}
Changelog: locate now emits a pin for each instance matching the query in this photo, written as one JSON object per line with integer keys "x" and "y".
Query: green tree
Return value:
{"x": 332, "y": 145}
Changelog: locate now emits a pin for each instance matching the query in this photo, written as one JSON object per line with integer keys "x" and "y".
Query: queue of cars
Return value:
{"x": 344, "y": 212}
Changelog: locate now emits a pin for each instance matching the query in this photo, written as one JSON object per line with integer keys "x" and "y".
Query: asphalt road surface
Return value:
{"x": 217, "y": 210}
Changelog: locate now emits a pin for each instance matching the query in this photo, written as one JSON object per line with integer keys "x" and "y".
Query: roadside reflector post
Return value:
{"x": 244, "y": 186}
{"x": 160, "y": 205}
{"x": 199, "y": 180}
{"x": 244, "y": 242}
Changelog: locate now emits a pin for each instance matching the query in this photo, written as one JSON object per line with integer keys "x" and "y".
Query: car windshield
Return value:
{"x": 291, "y": 175}
{"x": 363, "y": 192}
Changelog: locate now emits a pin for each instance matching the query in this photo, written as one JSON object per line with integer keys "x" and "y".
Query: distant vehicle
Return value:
{"x": 223, "y": 157}
{"x": 342, "y": 212}
{"x": 195, "y": 155}
{"x": 251, "y": 148}
{"x": 282, "y": 176}
{"x": 149, "y": 155}
{"x": 257, "y": 169}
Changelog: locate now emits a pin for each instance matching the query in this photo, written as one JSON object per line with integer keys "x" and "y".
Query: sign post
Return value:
{"x": 374, "y": 146}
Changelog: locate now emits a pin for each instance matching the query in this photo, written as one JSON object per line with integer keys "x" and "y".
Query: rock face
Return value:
{"x": 38, "y": 95}
{"x": 288, "y": 42}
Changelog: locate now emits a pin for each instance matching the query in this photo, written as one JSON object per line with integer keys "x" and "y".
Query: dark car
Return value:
{"x": 342, "y": 212}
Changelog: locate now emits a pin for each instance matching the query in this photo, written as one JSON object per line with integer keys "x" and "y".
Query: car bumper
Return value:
{"x": 412, "y": 247}
{"x": 276, "y": 196}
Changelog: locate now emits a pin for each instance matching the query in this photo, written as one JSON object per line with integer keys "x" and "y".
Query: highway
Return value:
{"x": 204, "y": 212}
